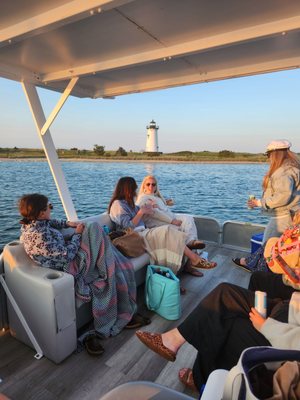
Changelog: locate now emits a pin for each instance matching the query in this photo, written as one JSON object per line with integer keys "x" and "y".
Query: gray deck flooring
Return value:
{"x": 81, "y": 376}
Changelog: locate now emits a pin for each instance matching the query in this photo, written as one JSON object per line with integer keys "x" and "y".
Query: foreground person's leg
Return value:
{"x": 270, "y": 283}
{"x": 165, "y": 345}
{"x": 209, "y": 325}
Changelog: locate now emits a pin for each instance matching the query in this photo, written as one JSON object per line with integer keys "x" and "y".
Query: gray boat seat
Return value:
{"x": 142, "y": 390}
{"x": 47, "y": 300}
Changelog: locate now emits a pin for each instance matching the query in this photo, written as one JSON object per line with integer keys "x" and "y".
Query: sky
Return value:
{"x": 240, "y": 115}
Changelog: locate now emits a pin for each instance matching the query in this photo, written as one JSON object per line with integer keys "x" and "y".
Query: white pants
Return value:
{"x": 188, "y": 226}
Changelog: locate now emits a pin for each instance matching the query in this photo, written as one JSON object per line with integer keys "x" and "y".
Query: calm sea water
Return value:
{"x": 214, "y": 190}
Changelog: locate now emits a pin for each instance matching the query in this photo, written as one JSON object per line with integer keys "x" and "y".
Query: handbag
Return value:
{"x": 131, "y": 244}
{"x": 162, "y": 292}
{"x": 255, "y": 369}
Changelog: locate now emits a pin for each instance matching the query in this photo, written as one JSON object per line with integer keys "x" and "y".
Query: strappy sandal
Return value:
{"x": 202, "y": 263}
{"x": 137, "y": 321}
{"x": 237, "y": 262}
{"x": 185, "y": 376}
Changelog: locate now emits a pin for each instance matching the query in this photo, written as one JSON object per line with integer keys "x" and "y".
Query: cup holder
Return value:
{"x": 53, "y": 275}
{"x": 14, "y": 243}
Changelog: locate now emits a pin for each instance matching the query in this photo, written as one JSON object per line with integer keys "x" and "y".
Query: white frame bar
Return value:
{"x": 39, "y": 352}
{"x": 48, "y": 145}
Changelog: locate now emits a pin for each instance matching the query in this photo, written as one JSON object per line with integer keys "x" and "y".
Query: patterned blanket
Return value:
{"x": 105, "y": 277}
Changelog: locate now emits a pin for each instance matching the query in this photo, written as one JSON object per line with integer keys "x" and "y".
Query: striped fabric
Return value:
{"x": 105, "y": 277}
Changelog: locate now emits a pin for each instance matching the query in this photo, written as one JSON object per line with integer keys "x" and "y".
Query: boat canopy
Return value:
{"x": 116, "y": 47}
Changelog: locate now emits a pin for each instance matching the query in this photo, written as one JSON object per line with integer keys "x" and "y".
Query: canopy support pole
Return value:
{"x": 48, "y": 146}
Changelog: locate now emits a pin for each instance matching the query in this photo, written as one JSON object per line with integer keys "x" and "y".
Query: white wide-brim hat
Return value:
{"x": 279, "y": 145}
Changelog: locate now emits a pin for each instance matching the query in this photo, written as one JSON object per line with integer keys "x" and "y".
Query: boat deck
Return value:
{"x": 81, "y": 376}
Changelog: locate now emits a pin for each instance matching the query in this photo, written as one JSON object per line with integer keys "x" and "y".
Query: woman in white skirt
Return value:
{"x": 149, "y": 194}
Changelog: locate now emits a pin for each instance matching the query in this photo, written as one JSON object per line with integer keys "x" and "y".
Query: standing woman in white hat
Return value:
{"x": 281, "y": 188}
{"x": 281, "y": 196}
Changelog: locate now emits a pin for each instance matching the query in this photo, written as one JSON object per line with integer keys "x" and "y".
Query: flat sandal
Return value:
{"x": 202, "y": 263}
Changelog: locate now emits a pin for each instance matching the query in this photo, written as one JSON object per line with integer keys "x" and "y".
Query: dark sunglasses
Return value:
{"x": 267, "y": 154}
{"x": 150, "y": 184}
{"x": 49, "y": 205}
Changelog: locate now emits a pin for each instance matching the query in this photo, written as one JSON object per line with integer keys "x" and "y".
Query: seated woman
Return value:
{"x": 223, "y": 325}
{"x": 149, "y": 194}
{"x": 165, "y": 245}
{"x": 102, "y": 275}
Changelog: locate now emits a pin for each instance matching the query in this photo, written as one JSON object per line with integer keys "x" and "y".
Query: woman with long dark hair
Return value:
{"x": 165, "y": 245}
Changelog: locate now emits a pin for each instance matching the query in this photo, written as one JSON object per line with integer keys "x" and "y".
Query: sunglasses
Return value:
{"x": 49, "y": 205}
{"x": 151, "y": 184}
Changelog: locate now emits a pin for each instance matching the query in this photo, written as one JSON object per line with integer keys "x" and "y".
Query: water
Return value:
{"x": 214, "y": 190}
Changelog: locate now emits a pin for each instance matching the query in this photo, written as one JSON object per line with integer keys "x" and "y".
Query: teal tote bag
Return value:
{"x": 163, "y": 292}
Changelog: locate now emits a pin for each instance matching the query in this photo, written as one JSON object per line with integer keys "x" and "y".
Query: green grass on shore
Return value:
{"x": 204, "y": 156}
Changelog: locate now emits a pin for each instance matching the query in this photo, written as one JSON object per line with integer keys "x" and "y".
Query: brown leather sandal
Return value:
{"x": 154, "y": 342}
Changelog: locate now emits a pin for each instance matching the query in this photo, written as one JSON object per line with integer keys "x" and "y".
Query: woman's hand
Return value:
{"x": 256, "y": 319}
{"x": 79, "y": 228}
{"x": 169, "y": 202}
{"x": 72, "y": 224}
{"x": 147, "y": 209}
{"x": 251, "y": 203}
{"x": 176, "y": 222}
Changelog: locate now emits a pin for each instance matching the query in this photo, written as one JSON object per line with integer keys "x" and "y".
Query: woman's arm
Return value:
{"x": 283, "y": 188}
{"x": 126, "y": 217}
{"x": 284, "y": 335}
{"x": 281, "y": 335}
{"x": 158, "y": 212}
{"x": 58, "y": 223}
{"x": 58, "y": 249}
{"x": 48, "y": 247}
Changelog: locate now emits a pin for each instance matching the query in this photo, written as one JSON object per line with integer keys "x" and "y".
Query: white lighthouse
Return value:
{"x": 152, "y": 139}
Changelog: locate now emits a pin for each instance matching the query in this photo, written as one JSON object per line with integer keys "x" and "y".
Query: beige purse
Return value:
{"x": 131, "y": 244}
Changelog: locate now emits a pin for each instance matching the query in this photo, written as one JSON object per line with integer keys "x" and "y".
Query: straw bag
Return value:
{"x": 131, "y": 244}
{"x": 163, "y": 292}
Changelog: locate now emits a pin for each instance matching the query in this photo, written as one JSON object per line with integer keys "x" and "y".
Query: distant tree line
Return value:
{"x": 100, "y": 151}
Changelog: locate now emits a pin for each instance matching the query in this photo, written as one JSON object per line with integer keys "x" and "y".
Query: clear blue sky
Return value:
{"x": 241, "y": 114}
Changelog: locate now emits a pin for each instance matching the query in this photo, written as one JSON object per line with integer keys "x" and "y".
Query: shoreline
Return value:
{"x": 134, "y": 161}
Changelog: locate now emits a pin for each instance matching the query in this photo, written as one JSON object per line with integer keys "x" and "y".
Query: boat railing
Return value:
{"x": 231, "y": 234}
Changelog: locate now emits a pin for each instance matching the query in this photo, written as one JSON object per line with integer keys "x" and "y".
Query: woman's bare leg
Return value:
{"x": 173, "y": 339}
